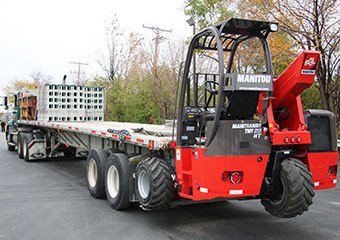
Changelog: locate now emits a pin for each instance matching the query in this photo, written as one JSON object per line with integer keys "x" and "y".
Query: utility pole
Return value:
{"x": 78, "y": 72}
{"x": 158, "y": 82}
{"x": 157, "y": 39}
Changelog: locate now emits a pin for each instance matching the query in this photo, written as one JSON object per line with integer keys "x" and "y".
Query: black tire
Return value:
{"x": 154, "y": 185}
{"x": 112, "y": 150}
{"x": 297, "y": 191}
{"x": 95, "y": 172}
{"x": 117, "y": 192}
{"x": 19, "y": 144}
{"x": 10, "y": 147}
{"x": 27, "y": 138}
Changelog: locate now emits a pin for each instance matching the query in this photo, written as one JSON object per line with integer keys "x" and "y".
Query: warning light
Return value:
{"x": 286, "y": 140}
{"x": 235, "y": 177}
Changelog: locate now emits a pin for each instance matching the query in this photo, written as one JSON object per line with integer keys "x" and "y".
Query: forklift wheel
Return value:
{"x": 296, "y": 192}
{"x": 154, "y": 185}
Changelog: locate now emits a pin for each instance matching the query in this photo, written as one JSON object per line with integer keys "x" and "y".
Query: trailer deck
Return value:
{"x": 147, "y": 135}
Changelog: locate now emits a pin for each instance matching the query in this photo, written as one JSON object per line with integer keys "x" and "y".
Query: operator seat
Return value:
{"x": 242, "y": 104}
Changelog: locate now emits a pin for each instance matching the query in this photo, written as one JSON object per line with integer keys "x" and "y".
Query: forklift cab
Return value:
{"x": 218, "y": 95}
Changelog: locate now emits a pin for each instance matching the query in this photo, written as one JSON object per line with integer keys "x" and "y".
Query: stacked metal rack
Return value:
{"x": 58, "y": 102}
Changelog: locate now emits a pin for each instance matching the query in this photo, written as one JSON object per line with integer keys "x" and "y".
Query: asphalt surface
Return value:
{"x": 49, "y": 200}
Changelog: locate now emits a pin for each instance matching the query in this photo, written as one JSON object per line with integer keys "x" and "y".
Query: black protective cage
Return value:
{"x": 222, "y": 37}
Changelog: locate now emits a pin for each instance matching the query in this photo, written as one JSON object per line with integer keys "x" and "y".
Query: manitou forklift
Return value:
{"x": 243, "y": 134}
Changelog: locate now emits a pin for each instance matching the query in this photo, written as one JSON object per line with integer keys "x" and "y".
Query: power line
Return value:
{"x": 157, "y": 39}
{"x": 78, "y": 72}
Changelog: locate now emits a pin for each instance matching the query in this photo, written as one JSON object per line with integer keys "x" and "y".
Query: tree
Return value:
{"x": 314, "y": 25}
{"x": 120, "y": 52}
{"x": 18, "y": 84}
{"x": 208, "y": 12}
{"x": 39, "y": 77}
{"x": 137, "y": 89}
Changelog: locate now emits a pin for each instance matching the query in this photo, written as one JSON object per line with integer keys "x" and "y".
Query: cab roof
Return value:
{"x": 232, "y": 29}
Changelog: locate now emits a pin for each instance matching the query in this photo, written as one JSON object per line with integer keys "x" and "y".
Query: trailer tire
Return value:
{"x": 112, "y": 150}
{"x": 154, "y": 185}
{"x": 95, "y": 172}
{"x": 26, "y": 140}
{"x": 10, "y": 147}
{"x": 297, "y": 190}
{"x": 117, "y": 178}
{"x": 19, "y": 144}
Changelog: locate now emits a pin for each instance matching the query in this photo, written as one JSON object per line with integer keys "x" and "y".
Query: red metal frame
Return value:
{"x": 319, "y": 163}
{"x": 287, "y": 89}
{"x": 288, "y": 86}
{"x": 200, "y": 176}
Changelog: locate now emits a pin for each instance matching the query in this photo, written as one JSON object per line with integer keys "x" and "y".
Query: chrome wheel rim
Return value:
{"x": 112, "y": 181}
{"x": 143, "y": 184}
{"x": 92, "y": 173}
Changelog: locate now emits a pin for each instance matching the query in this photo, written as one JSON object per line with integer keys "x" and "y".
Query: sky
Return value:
{"x": 45, "y": 35}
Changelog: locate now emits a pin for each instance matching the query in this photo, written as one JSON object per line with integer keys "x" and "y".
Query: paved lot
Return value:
{"x": 49, "y": 200}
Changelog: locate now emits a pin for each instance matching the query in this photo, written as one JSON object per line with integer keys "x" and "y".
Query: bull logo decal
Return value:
{"x": 310, "y": 62}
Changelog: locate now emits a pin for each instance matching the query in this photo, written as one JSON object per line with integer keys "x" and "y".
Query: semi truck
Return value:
{"x": 240, "y": 133}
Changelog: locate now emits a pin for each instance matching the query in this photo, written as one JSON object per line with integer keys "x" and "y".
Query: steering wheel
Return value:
{"x": 211, "y": 86}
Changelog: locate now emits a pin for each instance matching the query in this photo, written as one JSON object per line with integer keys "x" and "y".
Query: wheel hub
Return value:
{"x": 112, "y": 181}
{"x": 143, "y": 184}
{"x": 92, "y": 173}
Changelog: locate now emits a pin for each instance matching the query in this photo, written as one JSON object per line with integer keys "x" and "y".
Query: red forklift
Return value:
{"x": 243, "y": 134}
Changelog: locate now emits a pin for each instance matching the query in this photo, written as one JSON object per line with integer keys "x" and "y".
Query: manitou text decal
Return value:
{"x": 249, "y": 128}
{"x": 251, "y": 78}
{"x": 254, "y": 82}
{"x": 245, "y": 125}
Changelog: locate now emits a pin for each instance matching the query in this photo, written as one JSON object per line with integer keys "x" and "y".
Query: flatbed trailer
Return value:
{"x": 237, "y": 135}
{"x": 88, "y": 135}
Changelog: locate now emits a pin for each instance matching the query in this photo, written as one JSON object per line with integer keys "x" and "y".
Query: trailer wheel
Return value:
{"x": 10, "y": 147}
{"x": 26, "y": 139}
{"x": 95, "y": 169}
{"x": 117, "y": 176}
{"x": 296, "y": 192}
{"x": 20, "y": 142}
{"x": 154, "y": 185}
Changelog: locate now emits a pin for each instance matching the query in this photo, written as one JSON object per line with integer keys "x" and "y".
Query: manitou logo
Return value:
{"x": 310, "y": 62}
{"x": 252, "y": 78}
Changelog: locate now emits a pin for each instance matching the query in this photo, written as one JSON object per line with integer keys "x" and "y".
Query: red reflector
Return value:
{"x": 225, "y": 175}
{"x": 292, "y": 139}
{"x": 286, "y": 140}
{"x": 235, "y": 177}
{"x": 198, "y": 186}
{"x": 333, "y": 170}
{"x": 298, "y": 139}
{"x": 172, "y": 144}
